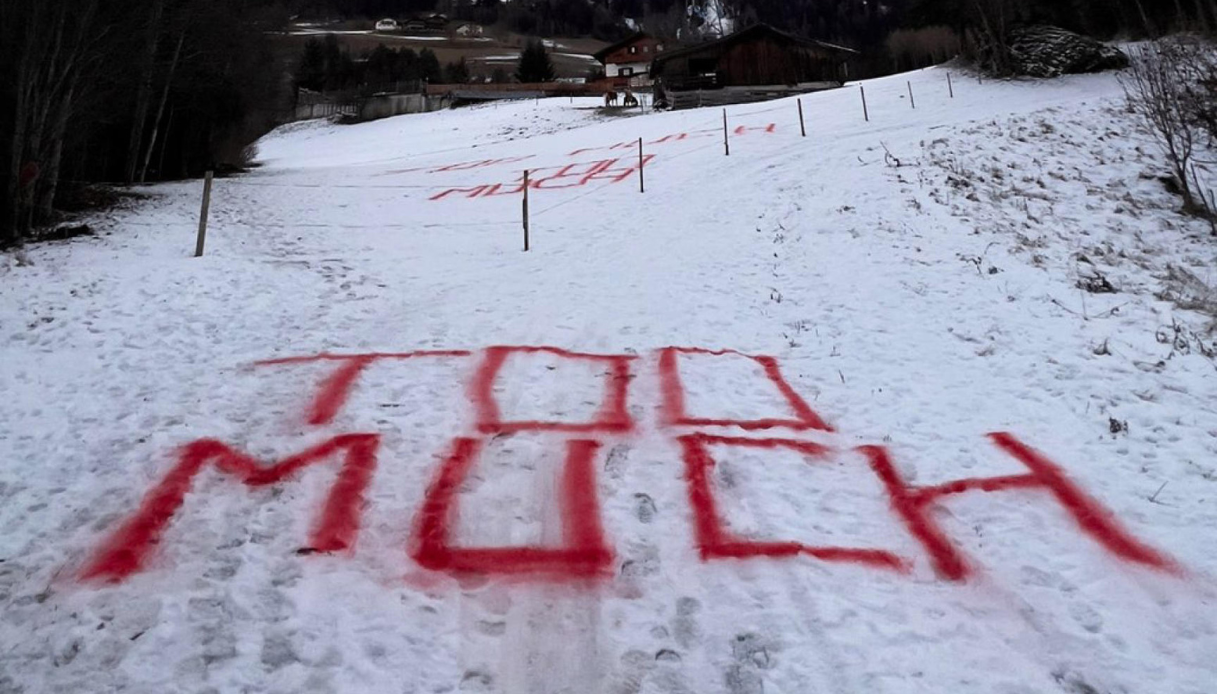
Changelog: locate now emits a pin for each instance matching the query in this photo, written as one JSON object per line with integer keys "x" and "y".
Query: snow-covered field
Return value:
{"x": 643, "y": 520}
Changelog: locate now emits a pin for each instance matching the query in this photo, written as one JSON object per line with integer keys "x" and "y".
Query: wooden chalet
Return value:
{"x": 757, "y": 56}
{"x": 628, "y": 62}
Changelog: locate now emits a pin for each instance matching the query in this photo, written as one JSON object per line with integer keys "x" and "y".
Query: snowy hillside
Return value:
{"x": 937, "y": 418}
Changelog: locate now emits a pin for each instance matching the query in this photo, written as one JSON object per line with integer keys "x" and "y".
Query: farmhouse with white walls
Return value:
{"x": 630, "y": 58}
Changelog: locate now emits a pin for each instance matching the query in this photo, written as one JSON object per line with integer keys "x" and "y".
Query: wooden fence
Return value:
{"x": 726, "y": 96}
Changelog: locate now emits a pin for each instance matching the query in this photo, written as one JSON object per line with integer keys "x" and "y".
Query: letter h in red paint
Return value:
{"x": 913, "y": 506}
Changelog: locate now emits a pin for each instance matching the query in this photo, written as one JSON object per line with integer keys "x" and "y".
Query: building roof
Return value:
{"x": 750, "y": 33}
{"x": 608, "y": 50}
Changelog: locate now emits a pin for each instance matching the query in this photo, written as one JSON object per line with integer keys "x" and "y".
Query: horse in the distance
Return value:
{"x": 610, "y": 98}
{"x": 630, "y": 100}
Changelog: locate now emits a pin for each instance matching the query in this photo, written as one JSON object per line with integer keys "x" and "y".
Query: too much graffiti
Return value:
{"x": 620, "y": 161}
{"x": 586, "y": 551}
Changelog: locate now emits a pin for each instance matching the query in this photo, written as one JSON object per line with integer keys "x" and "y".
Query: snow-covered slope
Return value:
{"x": 915, "y": 280}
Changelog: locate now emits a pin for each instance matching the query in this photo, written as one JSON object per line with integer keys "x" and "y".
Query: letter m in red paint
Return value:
{"x": 128, "y": 548}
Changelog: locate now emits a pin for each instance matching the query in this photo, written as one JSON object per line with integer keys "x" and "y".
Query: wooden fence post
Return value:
{"x": 950, "y": 87}
{"x": 198, "y": 246}
{"x": 802, "y": 124}
{"x": 865, "y": 112}
{"x": 726, "y": 142}
{"x": 526, "y": 210}
{"x": 642, "y": 181}
{"x": 912, "y": 101}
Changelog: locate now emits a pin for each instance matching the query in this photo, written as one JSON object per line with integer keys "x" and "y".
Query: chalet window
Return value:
{"x": 633, "y": 50}
{"x": 625, "y": 72}
{"x": 646, "y": 49}
{"x": 659, "y": 48}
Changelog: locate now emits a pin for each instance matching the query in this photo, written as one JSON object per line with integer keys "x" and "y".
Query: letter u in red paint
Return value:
{"x": 914, "y": 506}
{"x": 127, "y": 550}
{"x": 583, "y": 554}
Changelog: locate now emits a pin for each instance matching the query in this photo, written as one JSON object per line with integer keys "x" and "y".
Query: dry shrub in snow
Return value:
{"x": 1185, "y": 289}
{"x": 1172, "y": 86}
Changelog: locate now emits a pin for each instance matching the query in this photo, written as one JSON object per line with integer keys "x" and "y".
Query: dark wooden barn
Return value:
{"x": 758, "y": 55}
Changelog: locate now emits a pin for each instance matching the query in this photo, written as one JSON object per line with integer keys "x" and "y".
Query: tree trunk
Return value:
{"x": 1202, "y": 18}
{"x": 160, "y": 167}
{"x": 25, "y": 87}
{"x": 1150, "y": 29}
{"x": 49, "y": 181}
{"x": 143, "y": 97}
{"x": 160, "y": 110}
{"x": 1181, "y": 22}
{"x": 64, "y": 43}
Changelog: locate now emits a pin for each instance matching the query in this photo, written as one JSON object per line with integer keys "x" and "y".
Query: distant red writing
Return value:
{"x": 460, "y": 166}
{"x": 573, "y": 174}
{"x": 680, "y": 137}
{"x": 555, "y": 177}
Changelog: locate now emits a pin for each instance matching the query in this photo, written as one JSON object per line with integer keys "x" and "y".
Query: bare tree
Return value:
{"x": 1160, "y": 89}
{"x": 709, "y": 18}
{"x": 160, "y": 110}
{"x": 143, "y": 98}
{"x": 79, "y": 76}
{"x": 57, "y": 43}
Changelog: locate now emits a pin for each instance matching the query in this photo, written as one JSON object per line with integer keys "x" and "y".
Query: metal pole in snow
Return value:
{"x": 726, "y": 143}
{"x": 802, "y": 124}
{"x": 912, "y": 101}
{"x": 198, "y": 246}
{"x": 642, "y": 181}
{"x": 526, "y": 210}
{"x": 950, "y": 87}
{"x": 865, "y": 112}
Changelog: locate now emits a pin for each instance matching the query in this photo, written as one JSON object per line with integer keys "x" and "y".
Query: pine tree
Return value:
{"x": 457, "y": 72}
{"x": 535, "y": 65}
{"x": 428, "y": 66}
{"x": 311, "y": 73}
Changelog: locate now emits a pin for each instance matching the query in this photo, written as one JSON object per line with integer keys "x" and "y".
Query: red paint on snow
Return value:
{"x": 672, "y": 391}
{"x": 631, "y": 145}
{"x": 613, "y": 416}
{"x": 715, "y": 541}
{"x": 584, "y": 554}
{"x": 744, "y": 129}
{"x": 336, "y": 388}
{"x": 573, "y": 175}
{"x": 468, "y": 192}
{"x": 127, "y": 549}
{"x": 460, "y": 166}
{"x": 912, "y": 504}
